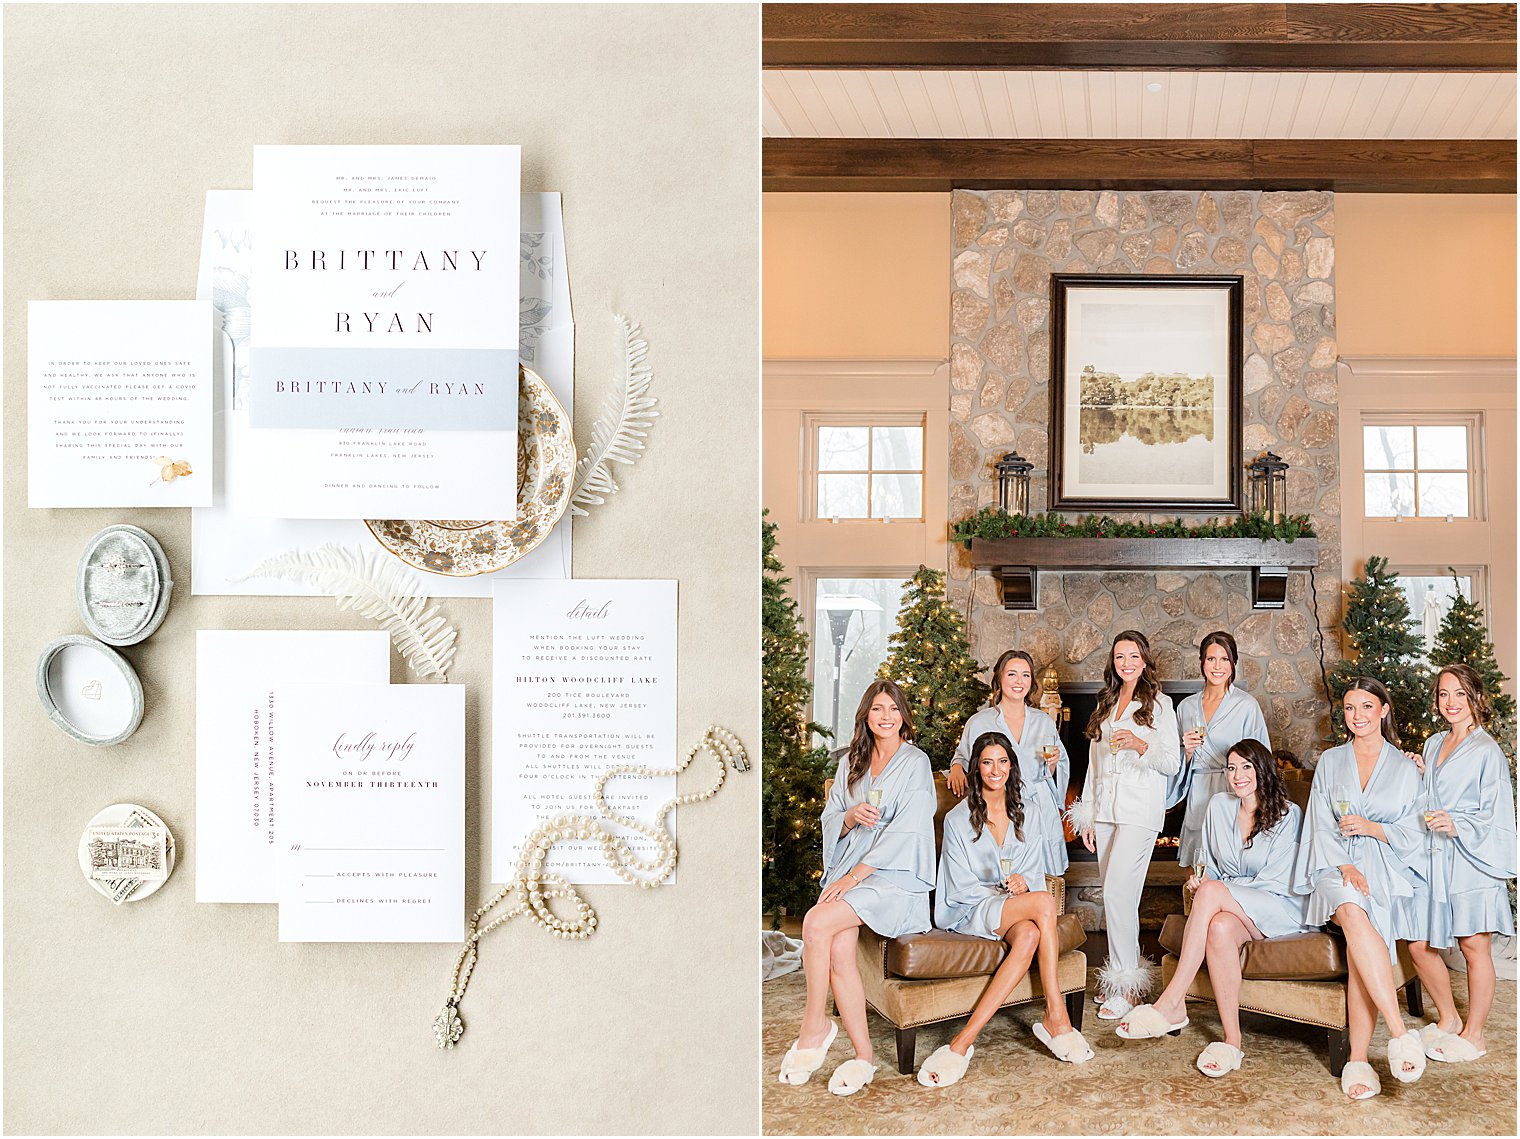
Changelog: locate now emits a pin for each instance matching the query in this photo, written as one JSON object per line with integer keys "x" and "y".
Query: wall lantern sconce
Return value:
{"x": 1269, "y": 486}
{"x": 1013, "y": 483}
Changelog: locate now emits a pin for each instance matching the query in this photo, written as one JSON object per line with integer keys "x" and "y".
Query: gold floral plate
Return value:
{"x": 545, "y": 470}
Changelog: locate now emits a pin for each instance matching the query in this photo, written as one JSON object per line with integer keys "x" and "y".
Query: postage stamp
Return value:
{"x": 139, "y": 853}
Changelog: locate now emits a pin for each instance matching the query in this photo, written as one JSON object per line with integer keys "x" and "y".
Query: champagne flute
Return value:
{"x": 873, "y": 796}
{"x": 1048, "y": 753}
{"x": 1006, "y": 866}
{"x": 1431, "y": 807}
{"x": 1340, "y": 799}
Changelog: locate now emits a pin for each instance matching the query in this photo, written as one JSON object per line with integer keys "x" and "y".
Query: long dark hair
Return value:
{"x": 1271, "y": 794}
{"x": 977, "y": 801}
{"x": 1376, "y": 687}
{"x": 1472, "y": 684}
{"x": 862, "y": 741}
{"x": 1147, "y": 688}
{"x": 997, "y": 677}
{"x": 1226, "y": 642}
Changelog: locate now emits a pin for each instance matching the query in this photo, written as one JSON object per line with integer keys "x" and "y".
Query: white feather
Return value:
{"x": 379, "y": 589}
{"x": 1081, "y": 815}
{"x": 1129, "y": 982}
{"x": 618, "y": 436}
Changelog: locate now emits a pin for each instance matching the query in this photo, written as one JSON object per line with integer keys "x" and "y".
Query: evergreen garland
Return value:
{"x": 990, "y": 522}
{"x": 1385, "y": 646}
{"x": 792, "y": 772}
{"x": 931, "y": 660}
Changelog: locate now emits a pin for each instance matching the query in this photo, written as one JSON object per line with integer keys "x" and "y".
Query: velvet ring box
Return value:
{"x": 89, "y": 690}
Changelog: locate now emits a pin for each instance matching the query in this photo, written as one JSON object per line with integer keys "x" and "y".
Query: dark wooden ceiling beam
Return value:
{"x": 1292, "y": 36}
{"x": 937, "y": 165}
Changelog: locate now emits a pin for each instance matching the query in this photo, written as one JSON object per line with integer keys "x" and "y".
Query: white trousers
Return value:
{"x": 1124, "y": 855}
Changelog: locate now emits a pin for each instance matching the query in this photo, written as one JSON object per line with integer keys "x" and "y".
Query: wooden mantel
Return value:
{"x": 1016, "y": 562}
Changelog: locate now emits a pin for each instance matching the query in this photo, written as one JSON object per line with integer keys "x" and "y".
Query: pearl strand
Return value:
{"x": 534, "y": 887}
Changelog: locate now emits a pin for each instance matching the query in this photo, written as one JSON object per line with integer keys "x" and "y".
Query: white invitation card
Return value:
{"x": 382, "y": 275}
{"x": 119, "y": 400}
{"x": 583, "y": 679}
{"x": 372, "y": 848}
{"x": 226, "y": 543}
{"x": 241, "y": 773}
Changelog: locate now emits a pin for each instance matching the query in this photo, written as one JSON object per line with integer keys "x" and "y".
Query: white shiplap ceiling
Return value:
{"x": 1137, "y": 104}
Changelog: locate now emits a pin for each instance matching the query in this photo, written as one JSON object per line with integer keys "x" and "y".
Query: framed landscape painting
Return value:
{"x": 1146, "y": 393}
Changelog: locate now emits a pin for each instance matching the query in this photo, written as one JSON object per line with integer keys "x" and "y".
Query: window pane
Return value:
{"x": 1429, "y": 599}
{"x": 1388, "y": 448}
{"x": 842, "y": 449}
{"x": 1389, "y": 496}
{"x": 1443, "y": 494}
{"x": 897, "y": 496}
{"x": 1443, "y": 448}
{"x": 842, "y": 496}
{"x": 897, "y": 448}
{"x": 864, "y": 615}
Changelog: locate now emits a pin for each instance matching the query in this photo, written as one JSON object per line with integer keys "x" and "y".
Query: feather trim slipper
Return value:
{"x": 798, "y": 1065}
{"x": 1406, "y": 1049}
{"x": 945, "y": 1067}
{"x": 851, "y": 1076}
{"x": 1071, "y": 1046}
{"x": 1360, "y": 1072}
{"x": 1145, "y": 1022}
{"x": 1454, "y": 1049}
{"x": 1226, "y": 1058}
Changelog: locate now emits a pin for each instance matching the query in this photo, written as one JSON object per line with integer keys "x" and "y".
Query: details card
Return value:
{"x": 584, "y": 678}
{"x": 373, "y": 848}
{"x": 240, "y": 760}
{"x": 119, "y": 403}
{"x": 383, "y": 275}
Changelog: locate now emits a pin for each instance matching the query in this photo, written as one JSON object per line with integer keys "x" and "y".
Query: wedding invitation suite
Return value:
{"x": 383, "y": 273}
{"x": 119, "y": 397}
{"x": 242, "y": 769}
{"x": 584, "y": 678}
{"x": 226, "y": 540}
{"x": 372, "y": 846}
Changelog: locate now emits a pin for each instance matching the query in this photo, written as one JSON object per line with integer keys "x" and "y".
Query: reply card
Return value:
{"x": 584, "y": 678}
{"x": 119, "y": 403}
{"x": 240, "y": 760}
{"x": 383, "y": 274}
{"x": 372, "y": 846}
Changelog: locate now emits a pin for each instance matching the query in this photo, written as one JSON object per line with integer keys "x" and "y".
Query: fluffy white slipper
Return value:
{"x": 1114, "y": 1008}
{"x": 1360, "y": 1072}
{"x": 1069, "y": 1046}
{"x": 851, "y": 1076}
{"x": 1431, "y": 1035}
{"x": 1145, "y": 1022}
{"x": 1226, "y": 1058}
{"x": 945, "y": 1067}
{"x": 1406, "y": 1049}
{"x": 798, "y": 1065}
{"x": 1454, "y": 1049}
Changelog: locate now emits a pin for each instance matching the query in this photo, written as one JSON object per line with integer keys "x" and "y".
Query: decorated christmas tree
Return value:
{"x": 1386, "y": 646}
{"x": 931, "y": 660}
{"x": 1463, "y": 639}
{"x": 793, "y": 773}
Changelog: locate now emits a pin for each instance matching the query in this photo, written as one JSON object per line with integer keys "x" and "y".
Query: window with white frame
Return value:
{"x": 1422, "y": 465}
{"x": 852, "y": 619}
{"x": 865, "y": 467}
{"x": 1430, "y": 591}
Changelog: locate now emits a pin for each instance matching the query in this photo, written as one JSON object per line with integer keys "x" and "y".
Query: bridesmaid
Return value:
{"x": 992, "y": 885}
{"x": 1227, "y": 715}
{"x": 1133, "y": 748}
{"x": 1249, "y": 840}
{"x": 1358, "y": 857}
{"x": 1014, "y": 713}
{"x": 1468, "y": 855}
{"x": 878, "y": 869}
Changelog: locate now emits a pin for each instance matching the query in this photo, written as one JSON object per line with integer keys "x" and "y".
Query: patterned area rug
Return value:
{"x": 1015, "y": 1087}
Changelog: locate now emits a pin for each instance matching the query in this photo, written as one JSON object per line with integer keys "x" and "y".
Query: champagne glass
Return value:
{"x": 1006, "y": 866}
{"x": 1431, "y": 807}
{"x": 873, "y": 796}
{"x": 1200, "y": 869}
{"x": 1048, "y": 753}
{"x": 1340, "y": 799}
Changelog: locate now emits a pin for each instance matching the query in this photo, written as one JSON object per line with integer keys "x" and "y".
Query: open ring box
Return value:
{"x": 123, "y": 586}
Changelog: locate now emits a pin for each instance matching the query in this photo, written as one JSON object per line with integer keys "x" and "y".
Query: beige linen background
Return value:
{"x": 171, "y": 1017}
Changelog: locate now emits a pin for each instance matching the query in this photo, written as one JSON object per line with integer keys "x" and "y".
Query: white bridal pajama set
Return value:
{"x": 894, "y": 900}
{"x": 1125, "y": 796}
{"x": 1237, "y": 718}
{"x": 967, "y": 898}
{"x": 1041, "y": 794}
{"x": 1392, "y": 799}
{"x": 1463, "y": 891}
{"x": 1259, "y": 876}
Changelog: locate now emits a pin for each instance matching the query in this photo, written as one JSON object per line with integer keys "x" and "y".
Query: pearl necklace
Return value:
{"x": 532, "y": 888}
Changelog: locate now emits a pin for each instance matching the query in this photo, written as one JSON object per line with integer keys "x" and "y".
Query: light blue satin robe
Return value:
{"x": 1391, "y": 868}
{"x": 1237, "y": 718}
{"x": 1259, "y": 876}
{"x": 967, "y": 898}
{"x": 895, "y": 899}
{"x": 1464, "y": 892}
{"x": 1042, "y": 794}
